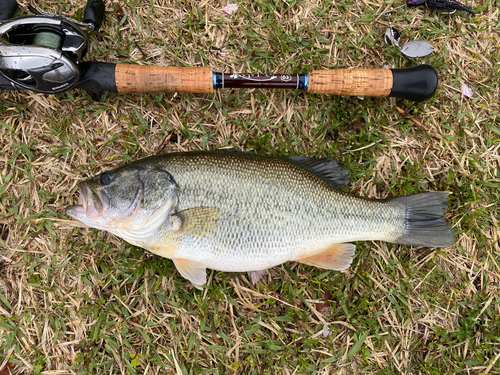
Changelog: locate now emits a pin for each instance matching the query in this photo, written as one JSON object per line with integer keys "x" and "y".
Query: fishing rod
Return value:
{"x": 44, "y": 53}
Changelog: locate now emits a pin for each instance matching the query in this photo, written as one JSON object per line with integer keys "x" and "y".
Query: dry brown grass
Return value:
{"x": 80, "y": 301}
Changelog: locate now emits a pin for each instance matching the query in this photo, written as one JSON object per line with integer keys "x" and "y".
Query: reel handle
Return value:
{"x": 94, "y": 13}
{"x": 7, "y": 9}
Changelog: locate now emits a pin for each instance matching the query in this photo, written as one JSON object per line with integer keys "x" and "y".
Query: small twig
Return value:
{"x": 140, "y": 49}
{"x": 25, "y": 248}
{"x": 3, "y": 268}
{"x": 164, "y": 143}
{"x": 405, "y": 113}
{"x": 304, "y": 326}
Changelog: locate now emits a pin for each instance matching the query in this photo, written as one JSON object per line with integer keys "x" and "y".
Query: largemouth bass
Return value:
{"x": 236, "y": 212}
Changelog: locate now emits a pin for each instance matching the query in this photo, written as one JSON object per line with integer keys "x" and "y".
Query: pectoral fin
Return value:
{"x": 191, "y": 270}
{"x": 196, "y": 221}
{"x": 337, "y": 256}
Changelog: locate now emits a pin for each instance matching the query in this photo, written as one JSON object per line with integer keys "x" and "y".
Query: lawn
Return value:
{"x": 75, "y": 300}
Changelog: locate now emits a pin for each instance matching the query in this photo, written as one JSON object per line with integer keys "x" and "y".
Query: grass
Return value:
{"x": 80, "y": 301}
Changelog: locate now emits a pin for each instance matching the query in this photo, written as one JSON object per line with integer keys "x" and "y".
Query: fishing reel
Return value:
{"x": 42, "y": 52}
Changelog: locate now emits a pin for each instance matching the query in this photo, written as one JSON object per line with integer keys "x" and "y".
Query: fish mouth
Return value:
{"x": 95, "y": 209}
{"x": 131, "y": 221}
{"x": 93, "y": 203}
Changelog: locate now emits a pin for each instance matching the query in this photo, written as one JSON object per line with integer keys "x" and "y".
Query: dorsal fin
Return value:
{"x": 328, "y": 169}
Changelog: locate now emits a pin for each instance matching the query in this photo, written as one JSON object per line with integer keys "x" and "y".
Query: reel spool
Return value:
{"x": 41, "y": 53}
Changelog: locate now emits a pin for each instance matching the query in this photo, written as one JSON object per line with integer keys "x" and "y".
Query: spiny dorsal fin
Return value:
{"x": 328, "y": 169}
{"x": 196, "y": 221}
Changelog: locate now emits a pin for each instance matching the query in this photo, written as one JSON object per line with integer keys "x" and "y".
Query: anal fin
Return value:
{"x": 337, "y": 256}
{"x": 255, "y": 276}
{"x": 193, "y": 271}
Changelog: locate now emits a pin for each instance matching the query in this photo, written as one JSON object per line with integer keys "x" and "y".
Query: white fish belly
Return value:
{"x": 246, "y": 256}
{"x": 239, "y": 245}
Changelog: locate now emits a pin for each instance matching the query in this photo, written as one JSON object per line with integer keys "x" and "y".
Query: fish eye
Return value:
{"x": 107, "y": 178}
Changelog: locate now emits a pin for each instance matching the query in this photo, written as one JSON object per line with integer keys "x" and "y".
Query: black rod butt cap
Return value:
{"x": 418, "y": 83}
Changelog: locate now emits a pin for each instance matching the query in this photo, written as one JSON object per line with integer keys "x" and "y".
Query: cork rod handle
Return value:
{"x": 417, "y": 83}
{"x": 352, "y": 82}
{"x": 141, "y": 78}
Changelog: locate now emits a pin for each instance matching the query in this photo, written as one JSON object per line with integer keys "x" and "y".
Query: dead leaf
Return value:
{"x": 323, "y": 307}
{"x": 6, "y": 369}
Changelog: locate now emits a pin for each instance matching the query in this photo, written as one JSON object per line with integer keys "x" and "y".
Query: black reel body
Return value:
{"x": 41, "y": 53}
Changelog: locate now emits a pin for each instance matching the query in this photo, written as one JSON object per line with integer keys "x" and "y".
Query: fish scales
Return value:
{"x": 235, "y": 212}
{"x": 271, "y": 211}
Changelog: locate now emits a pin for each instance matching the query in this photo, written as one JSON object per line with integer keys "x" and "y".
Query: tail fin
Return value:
{"x": 425, "y": 224}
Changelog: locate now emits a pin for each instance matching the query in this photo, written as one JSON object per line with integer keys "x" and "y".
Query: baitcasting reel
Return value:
{"x": 43, "y": 52}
